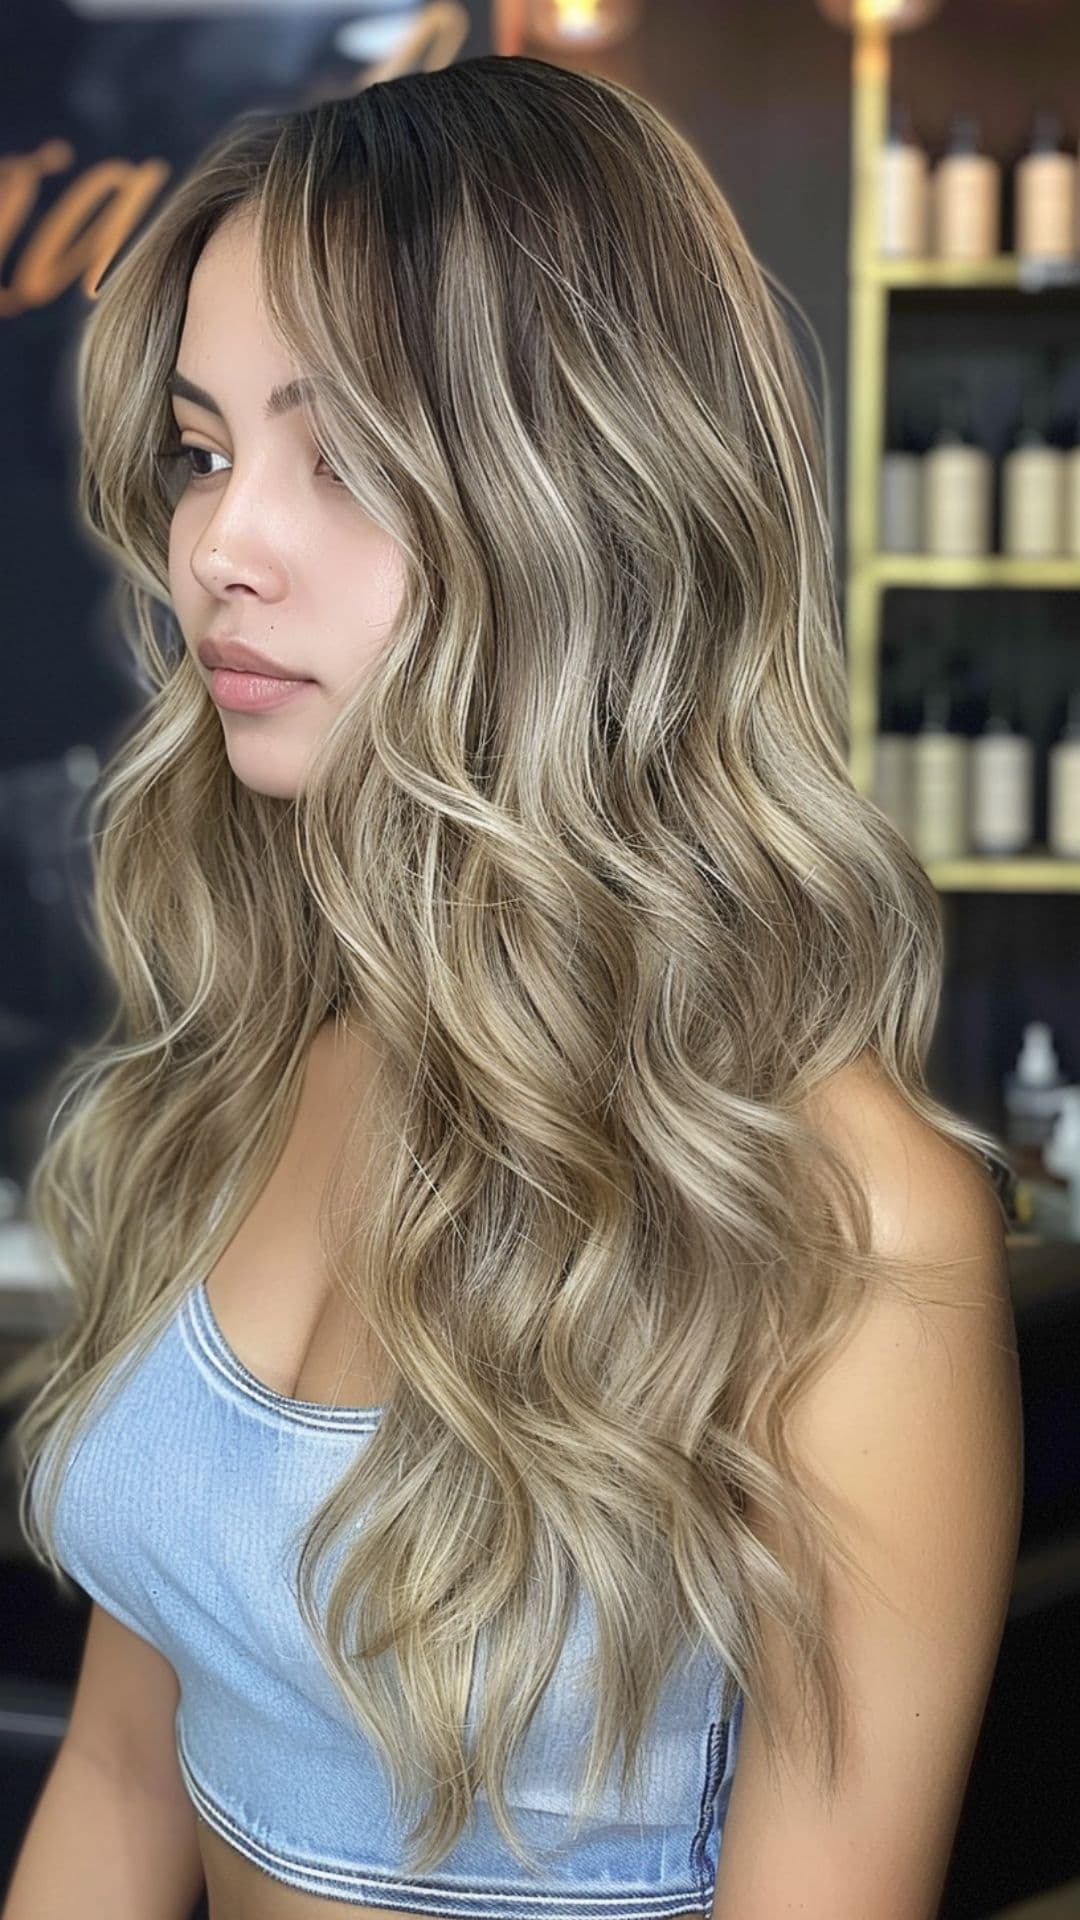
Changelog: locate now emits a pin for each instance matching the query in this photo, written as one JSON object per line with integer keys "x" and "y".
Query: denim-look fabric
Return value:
{"x": 181, "y": 1513}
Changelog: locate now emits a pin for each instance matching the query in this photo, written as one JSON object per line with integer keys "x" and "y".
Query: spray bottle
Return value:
{"x": 1033, "y": 1091}
{"x": 1062, "y": 1155}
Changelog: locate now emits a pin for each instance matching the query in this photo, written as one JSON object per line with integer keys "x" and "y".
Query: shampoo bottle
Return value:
{"x": 1046, "y": 195}
{"x": 1034, "y": 475}
{"x": 892, "y": 777}
{"x": 966, "y": 197}
{"x": 1072, "y": 496}
{"x": 905, "y": 190}
{"x": 901, "y": 516}
{"x": 940, "y": 780}
{"x": 1063, "y": 786}
{"x": 1002, "y": 777}
{"x": 958, "y": 485}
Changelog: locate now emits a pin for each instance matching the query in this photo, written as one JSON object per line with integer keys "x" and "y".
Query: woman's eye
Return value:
{"x": 180, "y": 458}
{"x": 185, "y": 454}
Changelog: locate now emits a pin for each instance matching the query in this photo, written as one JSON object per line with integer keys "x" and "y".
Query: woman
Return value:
{"x": 598, "y": 1367}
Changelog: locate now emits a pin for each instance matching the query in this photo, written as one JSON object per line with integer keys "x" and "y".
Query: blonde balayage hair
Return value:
{"x": 584, "y": 851}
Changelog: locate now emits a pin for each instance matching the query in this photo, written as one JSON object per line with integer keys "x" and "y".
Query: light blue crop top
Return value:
{"x": 179, "y": 1513}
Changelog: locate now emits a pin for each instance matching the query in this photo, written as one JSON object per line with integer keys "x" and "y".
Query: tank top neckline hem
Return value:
{"x": 247, "y": 1385}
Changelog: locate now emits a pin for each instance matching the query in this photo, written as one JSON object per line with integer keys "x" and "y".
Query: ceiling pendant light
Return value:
{"x": 896, "y": 16}
{"x": 565, "y": 24}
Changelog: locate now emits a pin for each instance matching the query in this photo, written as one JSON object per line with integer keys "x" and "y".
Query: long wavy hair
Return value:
{"x": 585, "y": 852}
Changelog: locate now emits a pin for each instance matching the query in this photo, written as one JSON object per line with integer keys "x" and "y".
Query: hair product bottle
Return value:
{"x": 1002, "y": 774}
{"x": 1046, "y": 195}
{"x": 905, "y": 189}
{"x": 1033, "y": 1091}
{"x": 1071, "y": 511}
{"x": 966, "y": 197}
{"x": 940, "y": 780}
{"x": 1033, "y": 486}
{"x": 893, "y": 777}
{"x": 958, "y": 484}
{"x": 901, "y": 514}
{"x": 1063, "y": 785}
{"x": 1061, "y": 1155}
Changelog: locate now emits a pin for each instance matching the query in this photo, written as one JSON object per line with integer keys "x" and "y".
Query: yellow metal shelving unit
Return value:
{"x": 870, "y": 571}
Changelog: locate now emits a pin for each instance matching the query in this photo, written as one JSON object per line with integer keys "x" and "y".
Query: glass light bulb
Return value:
{"x": 897, "y": 16}
{"x": 564, "y": 24}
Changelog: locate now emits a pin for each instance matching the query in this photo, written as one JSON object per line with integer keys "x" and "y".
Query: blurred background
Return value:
{"x": 907, "y": 171}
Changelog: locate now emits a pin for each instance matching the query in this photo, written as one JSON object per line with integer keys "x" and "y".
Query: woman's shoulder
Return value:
{"x": 928, "y": 1196}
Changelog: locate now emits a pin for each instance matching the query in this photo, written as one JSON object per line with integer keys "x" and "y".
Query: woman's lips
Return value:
{"x": 253, "y": 692}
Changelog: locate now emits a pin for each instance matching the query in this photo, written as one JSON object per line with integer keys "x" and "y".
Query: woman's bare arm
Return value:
{"x": 913, "y": 1436}
{"x": 113, "y": 1833}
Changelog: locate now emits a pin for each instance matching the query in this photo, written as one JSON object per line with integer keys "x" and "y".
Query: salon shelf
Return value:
{"x": 977, "y": 573}
{"x": 1021, "y": 873}
{"x": 1002, "y": 270}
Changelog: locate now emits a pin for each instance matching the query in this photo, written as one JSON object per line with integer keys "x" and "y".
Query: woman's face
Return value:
{"x": 266, "y": 546}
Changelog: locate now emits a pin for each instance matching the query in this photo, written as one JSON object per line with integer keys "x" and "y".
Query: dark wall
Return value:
{"x": 762, "y": 88}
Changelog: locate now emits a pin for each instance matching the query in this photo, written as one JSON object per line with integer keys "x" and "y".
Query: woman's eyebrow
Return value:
{"x": 280, "y": 401}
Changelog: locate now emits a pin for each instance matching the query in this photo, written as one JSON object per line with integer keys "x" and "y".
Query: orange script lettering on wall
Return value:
{"x": 95, "y": 214}
{"x": 78, "y": 235}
